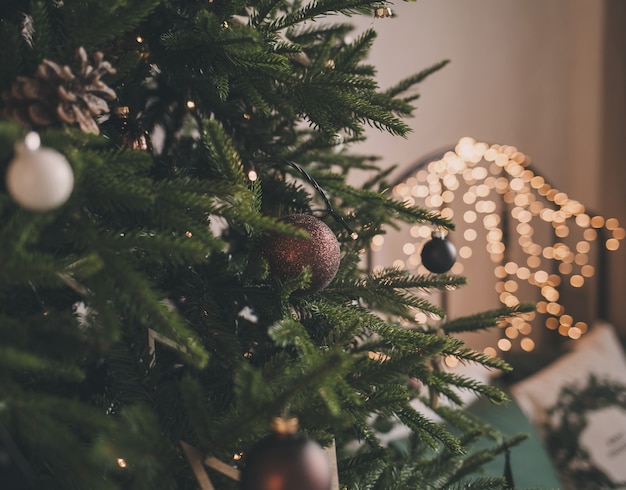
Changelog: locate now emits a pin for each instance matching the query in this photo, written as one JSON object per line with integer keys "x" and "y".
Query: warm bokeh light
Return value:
{"x": 470, "y": 235}
{"x": 465, "y": 252}
{"x": 378, "y": 240}
{"x": 552, "y": 323}
{"x": 612, "y": 244}
{"x": 582, "y": 326}
{"x": 597, "y": 221}
{"x": 574, "y": 333}
{"x": 504, "y": 345}
{"x": 590, "y": 234}
{"x": 451, "y": 361}
{"x": 509, "y": 209}
{"x": 577, "y": 280}
{"x": 490, "y": 352}
{"x": 525, "y": 328}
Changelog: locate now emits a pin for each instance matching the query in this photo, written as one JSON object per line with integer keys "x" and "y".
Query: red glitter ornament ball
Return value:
{"x": 287, "y": 256}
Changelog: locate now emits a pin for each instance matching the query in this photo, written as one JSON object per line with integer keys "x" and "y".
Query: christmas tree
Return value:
{"x": 183, "y": 256}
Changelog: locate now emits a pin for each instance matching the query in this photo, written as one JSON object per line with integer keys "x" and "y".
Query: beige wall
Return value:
{"x": 532, "y": 74}
{"x": 613, "y": 162}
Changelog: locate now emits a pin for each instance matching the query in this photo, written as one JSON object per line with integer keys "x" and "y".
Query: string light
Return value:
{"x": 252, "y": 175}
{"x": 499, "y": 188}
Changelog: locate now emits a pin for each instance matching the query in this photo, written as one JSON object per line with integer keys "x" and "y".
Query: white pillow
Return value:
{"x": 580, "y": 399}
{"x": 599, "y": 352}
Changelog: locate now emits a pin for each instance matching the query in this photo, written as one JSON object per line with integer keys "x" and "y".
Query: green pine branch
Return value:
{"x": 485, "y": 320}
{"x": 313, "y": 10}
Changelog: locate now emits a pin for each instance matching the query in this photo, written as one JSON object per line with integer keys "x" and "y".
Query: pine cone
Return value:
{"x": 55, "y": 94}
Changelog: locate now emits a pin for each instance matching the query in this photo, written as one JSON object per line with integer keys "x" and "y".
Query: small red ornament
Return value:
{"x": 287, "y": 256}
{"x": 438, "y": 254}
{"x": 286, "y": 461}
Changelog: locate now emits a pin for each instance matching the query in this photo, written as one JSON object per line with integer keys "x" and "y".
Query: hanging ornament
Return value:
{"x": 337, "y": 141}
{"x": 438, "y": 254}
{"x": 382, "y": 12}
{"x": 286, "y": 460}
{"x": 288, "y": 256}
{"x": 133, "y": 136}
{"x": 39, "y": 179}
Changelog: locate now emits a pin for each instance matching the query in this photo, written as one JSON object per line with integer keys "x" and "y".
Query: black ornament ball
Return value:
{"x": 286, "y": 462}
{"x": 438, "y": 254}
{"x": 287, "y": 256}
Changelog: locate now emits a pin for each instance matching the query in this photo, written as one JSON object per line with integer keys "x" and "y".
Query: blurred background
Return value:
{"x": 543, "y": 79}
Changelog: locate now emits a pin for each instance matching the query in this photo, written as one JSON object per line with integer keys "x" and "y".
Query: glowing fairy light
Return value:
{"x": 497, "y": 188}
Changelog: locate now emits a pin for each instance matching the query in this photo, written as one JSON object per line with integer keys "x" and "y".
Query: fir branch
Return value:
{"x": 355, "y": 52}
{"x": 399, "y": 107}
{"x": 429, "y": 431}
{"x": 317, "y": 8}
{"x": 21, "y": 361}
{"x": 267, "y": 391}
{"x": 43, "y": 31}
{"x": 290, "y": 332}
{"x": 394, "y": 277}
{"x": 467, "y": 354}
{"x": 486, "y": 319}
{"x": 31, "y": 267}
{"x": 479, "y": 483}
{"x": 11, "y": 58}
{"x": 223, "y": 157}
{"x": 90, "y": 24}
{"x": 126, "y": 380}
{"x": 254, "y": 97}
{"x": 471, "y": 425}
{"x": 155, "y": 462}
{"x": 136, "y": 297}
{"x": 443, "y": 381}
{"x": 391, "y": 291}
{"x": 160, "y": 249}
{"x": 481, "y": 457}
{"x": 203, "y": 421}
{"x": 407, "y": 83}
{"x": 287, "y": 48}
{"x": 368, "y": 463}
{"x": 49, "y": 426}
{"x": 310, "y": 33}
{"x": 263, "y": 10}
{"x": 365, "y": 201}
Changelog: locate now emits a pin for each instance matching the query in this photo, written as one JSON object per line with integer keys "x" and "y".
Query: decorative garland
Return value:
{"x": 566, "y": 422}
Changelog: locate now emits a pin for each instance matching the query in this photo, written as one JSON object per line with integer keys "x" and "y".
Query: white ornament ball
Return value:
{"x": 39, "y": 179}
